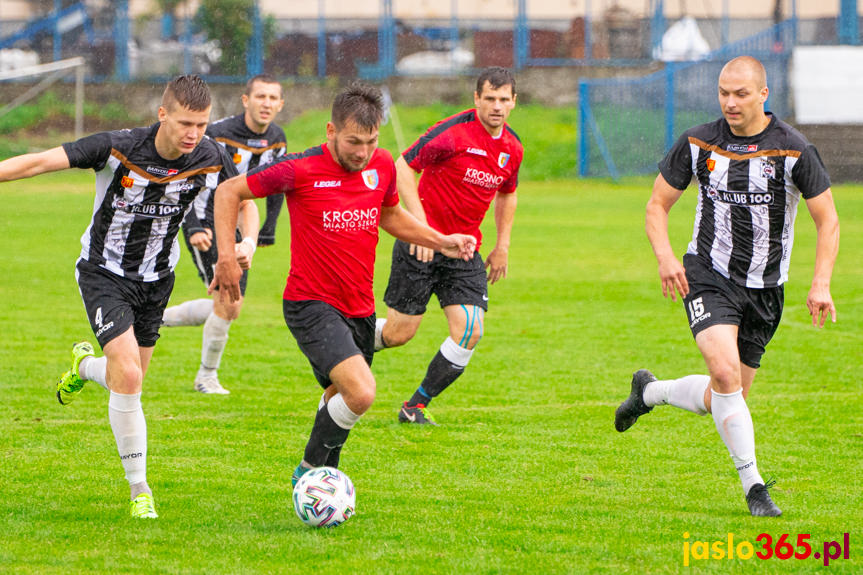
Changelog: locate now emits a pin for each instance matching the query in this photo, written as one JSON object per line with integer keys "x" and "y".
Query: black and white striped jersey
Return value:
{"x": 748, "y": 191}
{"x": 141, "y": 198}
{"x": 247, "y": 149}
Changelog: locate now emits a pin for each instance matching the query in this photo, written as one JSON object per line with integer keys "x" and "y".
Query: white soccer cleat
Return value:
{"x": 209, "y": 384}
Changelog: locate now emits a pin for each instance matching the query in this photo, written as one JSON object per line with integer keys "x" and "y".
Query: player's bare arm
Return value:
{"x": 671, "y": 271}
{"x": 819, "y": 301}
{"x": 226, "y": 276}
{"x": 401, "y": 224}
{"x": 504, "y": 214}
{"x": 249, "y": 222}
{"x": 406, "y": 182}
{"x": 29, "y": 165}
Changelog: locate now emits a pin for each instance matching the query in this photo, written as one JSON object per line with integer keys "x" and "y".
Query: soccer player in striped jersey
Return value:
{"x": 251, "y": 139}
{"x": 751, "y": 170}
{"x": 146, "y": 181}
{"x": 466, "y": 161}
{"x": 338, "y": 195}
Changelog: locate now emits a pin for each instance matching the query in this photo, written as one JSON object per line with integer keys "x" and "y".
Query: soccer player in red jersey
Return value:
{"x": 466, "y": 161}
{"x": 338, "y": 194}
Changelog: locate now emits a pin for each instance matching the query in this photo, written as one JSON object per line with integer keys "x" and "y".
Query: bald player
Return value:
{"x": 751, "y": 170}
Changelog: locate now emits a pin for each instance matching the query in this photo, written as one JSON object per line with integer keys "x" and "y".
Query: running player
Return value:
{"x": 251, "y": 139}
{"x": 752, "y": 169}
{"x": 338, "y": 194}
{"x": 146, "y": 180}
{"x": 466, "y": 161}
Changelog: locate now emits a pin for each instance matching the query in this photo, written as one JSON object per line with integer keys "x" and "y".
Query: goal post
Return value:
{"x": 49, "y": 73}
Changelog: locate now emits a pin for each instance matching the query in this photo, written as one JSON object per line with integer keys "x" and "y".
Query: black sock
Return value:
{"x": 333, "y": 457}
{"x": 440, "y": 374}
{"x": 326, "y": 435}
{"x": 419, "y": 397}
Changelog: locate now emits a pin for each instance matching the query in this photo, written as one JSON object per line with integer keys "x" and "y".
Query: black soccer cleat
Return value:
{"x": 633, "y": 406}
{"x": 759, "y": 502}
{"x": 418, "y": 414}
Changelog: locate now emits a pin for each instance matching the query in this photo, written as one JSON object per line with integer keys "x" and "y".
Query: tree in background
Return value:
{"x": 230, "y": 23}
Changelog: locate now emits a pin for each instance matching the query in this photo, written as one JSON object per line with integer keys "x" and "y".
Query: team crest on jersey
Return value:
{"x": 127, "y": 182}
{"x": 503, "y": 159}
{"x": 238, "y": 158}
{"x": 370, "y": 179}
{"x": 768, "y": 168}
{"x": 711, "y": 164}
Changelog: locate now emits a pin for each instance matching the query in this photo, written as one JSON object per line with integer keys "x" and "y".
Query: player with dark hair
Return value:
{"x": 752, "y": 169}
{"x": 146, "y": 181}
{"x": 338, "y": 194}
{"x": 466, "y": 160}
{"x": 251, "y": 139}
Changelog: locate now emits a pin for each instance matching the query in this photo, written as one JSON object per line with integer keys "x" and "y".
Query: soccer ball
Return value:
{"x": 324, "y": 497}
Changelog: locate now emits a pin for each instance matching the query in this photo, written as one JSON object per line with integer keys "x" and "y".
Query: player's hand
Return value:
{"x": 673, "y": 276}
{"x": 226, "y": 280}
{"x": 422, "y": 253}
{"x": 496, "y": 264}
{"x": 244, "y": 252}
{"x": 820, "y": 303}
{"x": 202, "y": 241}
{"x": 459, "y": 246}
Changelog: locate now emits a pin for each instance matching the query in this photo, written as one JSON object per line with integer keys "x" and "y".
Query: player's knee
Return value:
{"x": 725, "y": 378}
{"x": 360, "y": 399}
{"x": 398, "y": 334}
{"x": 125, "y": 376}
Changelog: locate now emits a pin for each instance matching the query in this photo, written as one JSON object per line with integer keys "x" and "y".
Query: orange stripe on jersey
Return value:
{"x": 734, "y": 156}
{"x": 166, "y": 179}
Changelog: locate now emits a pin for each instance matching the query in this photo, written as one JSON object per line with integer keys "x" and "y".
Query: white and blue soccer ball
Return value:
{"x": 324, "y": 497}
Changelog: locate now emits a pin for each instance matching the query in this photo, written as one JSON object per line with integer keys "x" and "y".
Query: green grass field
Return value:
{"x": 525, "y": 474}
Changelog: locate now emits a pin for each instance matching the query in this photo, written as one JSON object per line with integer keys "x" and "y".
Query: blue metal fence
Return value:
{"x": 627, "y": 124}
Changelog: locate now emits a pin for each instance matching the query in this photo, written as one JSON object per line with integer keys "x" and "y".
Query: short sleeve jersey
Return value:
{"x": 335, "y": 215}
{"x": 142, "y": 198}
{"x": 247, "y": 149}
{"x": 463, "y": 167}
{"x": 748, "y": 191}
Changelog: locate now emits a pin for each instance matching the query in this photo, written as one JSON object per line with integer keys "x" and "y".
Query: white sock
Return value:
{"x": 94, "y": 369}
{"x": 686, "y": 393}
{"x": 341, "y": 413}
{"x": 379, "y": 333}
{"x": 213, "y": 345}
{"x": 734, "y": 424}
{"x": 130, "y": 431}
{"x": 194, "y": 312}
{"x": 323, "y": 401}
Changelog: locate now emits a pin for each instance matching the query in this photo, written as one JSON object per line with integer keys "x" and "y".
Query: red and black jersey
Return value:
{"x": 334, "y": 224}
{"x": 463, "y": 167}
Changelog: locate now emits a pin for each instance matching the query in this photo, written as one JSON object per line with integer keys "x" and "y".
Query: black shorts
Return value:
{"x": 115, "y": 303}
{"x": 453, "y": 281}
{"x": 716, "y": 300}
{"x": 205, "y": 262}
{"x": 327, "y": 337}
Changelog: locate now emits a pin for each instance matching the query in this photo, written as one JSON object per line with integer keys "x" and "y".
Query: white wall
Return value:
{"x": 827, "y": 82}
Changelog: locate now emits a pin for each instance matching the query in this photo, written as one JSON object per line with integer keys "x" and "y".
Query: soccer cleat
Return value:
{"x": 633, "y": 406}
{"x": 759, "y": 502}
{"x": 298, "y": 472}
{"x": 418, "y": 414}
{"x": 143, "y": 507}
{"x": 71, "y": 384}
{"x": 209, "y": 384}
